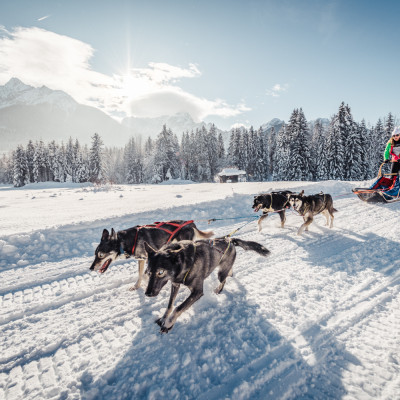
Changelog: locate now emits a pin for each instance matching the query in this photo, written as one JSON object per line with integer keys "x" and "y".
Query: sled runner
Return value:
{"x": 386, "y": 189}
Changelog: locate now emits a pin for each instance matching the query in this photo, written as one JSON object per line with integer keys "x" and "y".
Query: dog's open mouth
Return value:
{"x": 257, "y": 207}
{"x": 105, "y": 266}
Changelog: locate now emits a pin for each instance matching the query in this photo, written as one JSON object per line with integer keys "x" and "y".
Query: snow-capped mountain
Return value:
{"x": 178, "y": 123}
{"x": 275, "y": 123}
{"x": 29, "y": 113}
{"x": 15, "y": 92}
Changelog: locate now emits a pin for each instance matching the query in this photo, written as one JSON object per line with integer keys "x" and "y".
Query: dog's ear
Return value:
{"x": 149, "y": 250}
{"x": 301, "y": 193}
{"x": 105, "y": 235}
{"x": 114, "y": 235}
{"x": 177, "y": 250}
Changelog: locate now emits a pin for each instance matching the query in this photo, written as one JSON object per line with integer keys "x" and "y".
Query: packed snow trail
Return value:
{"x": 319, "y": 318}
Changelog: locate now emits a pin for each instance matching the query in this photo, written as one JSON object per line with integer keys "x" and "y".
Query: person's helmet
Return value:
{"x": 396, "y": 131}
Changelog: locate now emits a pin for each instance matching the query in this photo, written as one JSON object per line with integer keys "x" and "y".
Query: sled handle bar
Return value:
{"x": 380, "y": 170}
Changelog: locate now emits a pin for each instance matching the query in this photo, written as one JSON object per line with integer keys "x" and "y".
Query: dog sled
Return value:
{"x": 386, "y": 189}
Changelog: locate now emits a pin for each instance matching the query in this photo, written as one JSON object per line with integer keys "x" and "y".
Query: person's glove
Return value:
{"x": 386, "y": 161}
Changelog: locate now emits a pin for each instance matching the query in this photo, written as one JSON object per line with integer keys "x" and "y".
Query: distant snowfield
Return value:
{"x": 318, "y": 319}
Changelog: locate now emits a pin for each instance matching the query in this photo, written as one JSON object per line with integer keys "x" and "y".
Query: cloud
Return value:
{"x": 40, "y": 57}
{"x": 171, "y": 100}
{"x": 277, "y": 90}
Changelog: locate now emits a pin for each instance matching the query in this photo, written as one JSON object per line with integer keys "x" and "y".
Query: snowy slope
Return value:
{"x": 318, "y": 319}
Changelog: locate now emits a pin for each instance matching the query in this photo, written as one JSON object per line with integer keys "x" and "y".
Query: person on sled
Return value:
{"x": 393, "y": 150}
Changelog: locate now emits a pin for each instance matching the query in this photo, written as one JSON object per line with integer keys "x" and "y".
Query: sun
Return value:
{"x": 134, "y": 86}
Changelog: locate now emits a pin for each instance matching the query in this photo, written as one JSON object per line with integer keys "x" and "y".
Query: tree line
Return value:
{"x": 342, "y": 149}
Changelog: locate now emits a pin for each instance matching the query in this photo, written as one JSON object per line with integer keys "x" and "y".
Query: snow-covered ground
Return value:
{"x": 318, "y": 319}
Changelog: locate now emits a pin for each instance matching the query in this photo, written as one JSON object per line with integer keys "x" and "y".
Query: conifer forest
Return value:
{"x": 335, "y": 149}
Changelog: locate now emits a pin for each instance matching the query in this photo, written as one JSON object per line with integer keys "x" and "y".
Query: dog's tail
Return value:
{"x": 198, "y": 234}
{"x": 247, "y": 245}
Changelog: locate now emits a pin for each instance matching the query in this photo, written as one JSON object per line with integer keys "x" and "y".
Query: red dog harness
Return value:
{"x": 161, "y": 225}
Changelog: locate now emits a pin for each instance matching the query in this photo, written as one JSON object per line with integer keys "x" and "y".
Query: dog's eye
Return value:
{"x": 100, "y": 254}
{"x": 161, "y": 273}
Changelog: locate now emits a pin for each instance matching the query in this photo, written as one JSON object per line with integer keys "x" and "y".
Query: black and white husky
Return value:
{"x": 270, "y": 203}
{"x": 130, "y": 243}
{"x": 308, "y": 206}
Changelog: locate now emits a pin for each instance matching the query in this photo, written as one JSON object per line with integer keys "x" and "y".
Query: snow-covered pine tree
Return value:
{"x": 260, "y": 155}
{"x": 353, "y": 149}
{"x": 10, "y": 168}
{"x": 389, "y": 126}
{"x": 184, "y": 155}
{"x": 133, "y": 163}
{"x": 83, "y": 172}
{"x": 193, "y": 157}
{"x": 165, "y": 156}
{"x": 113, "y": 165}
{"x": 318, "y": 145}
{"x": 130, "y": 162}
{"x": 21, "y": 171}
{"x": 269, "y": 151}
{"x": 234, "y": 148}
{"x": 30, "y": 152}
{"x": 231, "y": 147}
{"x": 377, "y": 147}
{"x": 221, "y": 151}
{"x": 3, "y": 169}
{"x": 40, "y": 163}
{"x": 281, "y": 155}
{"x": 148, "y": 146}
{"x": 70, "y": 161}
{"x": 61, "y": 163}
{"x": 335, "y": 145}
{"x": 77, "y": 157}
{"x": 250, "y": 167}
{"x": 299, "y": 167}
{"x": 95, "y": 159}
{"x": 203, "y": 171}
{"x": 52, "y": 150}
{"x": 244, "y": 150}
{"x": 212, "y": 152}
{"x": 365, "y": 136}
{"x": 303, "y": 144}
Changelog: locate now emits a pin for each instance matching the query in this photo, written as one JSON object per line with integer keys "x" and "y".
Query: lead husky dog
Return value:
{"x": 272, "y": 202}
{"x": 308, "y": 206}
{"x": 130, "y": 243}
{"x": 190, "y": 263}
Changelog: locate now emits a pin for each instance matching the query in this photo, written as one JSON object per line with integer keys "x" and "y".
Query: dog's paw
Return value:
{"x": 166, "y": 324}
{"x": 136, "y": 286}
{"x": 165, "y": 327}
{"x": 160, "y": 321}
{"x": 165, "y": 330}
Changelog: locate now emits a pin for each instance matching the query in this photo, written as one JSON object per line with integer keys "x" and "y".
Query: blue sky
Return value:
{"x": 222, "y": 61}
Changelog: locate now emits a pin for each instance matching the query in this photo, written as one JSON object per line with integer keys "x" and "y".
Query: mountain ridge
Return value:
{"x": 40, "y": 113}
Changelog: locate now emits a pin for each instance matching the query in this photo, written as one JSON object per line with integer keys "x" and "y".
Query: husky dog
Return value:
{"x": 308, "y": 206}
{"x": 190, "y": 263}
{"x": 272, "y": 202}
{"x": 130, "y": 243}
